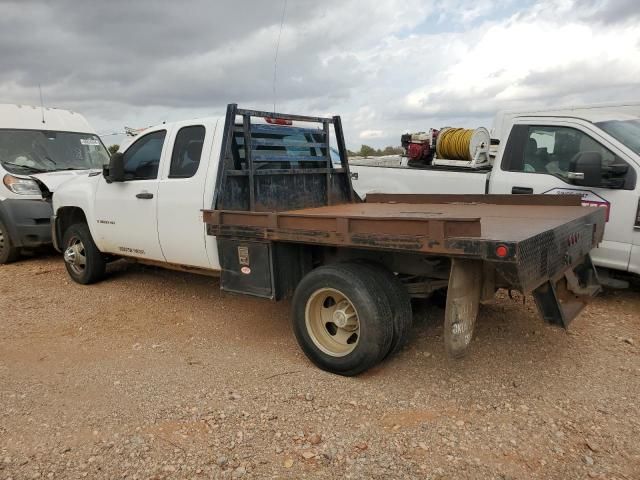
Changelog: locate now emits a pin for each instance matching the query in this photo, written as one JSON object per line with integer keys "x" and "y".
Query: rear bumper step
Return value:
{"x": 561, "y": 299}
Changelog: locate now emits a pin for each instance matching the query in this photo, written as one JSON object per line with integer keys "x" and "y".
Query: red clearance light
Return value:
{"x": 502, "y": 251}
{"x": 278, "y": 121}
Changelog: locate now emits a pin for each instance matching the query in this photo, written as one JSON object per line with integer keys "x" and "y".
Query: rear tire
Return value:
{"x": 400, "y": 304}
{"x": 8, "y": 253}
{"x": 341, "y": 320}
{"x": 85, "y": 264}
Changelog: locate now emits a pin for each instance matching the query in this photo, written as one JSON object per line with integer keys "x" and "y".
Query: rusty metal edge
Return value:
{"x": 491, "y": 199}
{"x": 408, "y": 243}
{"x": 472, "y": 227}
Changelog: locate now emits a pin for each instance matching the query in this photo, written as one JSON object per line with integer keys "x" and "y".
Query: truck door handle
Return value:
{"x": 522, "y": 190}
{"x": 145, "y": 195}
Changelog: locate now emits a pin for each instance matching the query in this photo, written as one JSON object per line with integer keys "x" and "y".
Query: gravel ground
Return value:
{"x": 156, "y": 374}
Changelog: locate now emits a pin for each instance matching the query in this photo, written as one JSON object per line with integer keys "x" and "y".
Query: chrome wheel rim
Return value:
{"x": 332, "y": 322}
{"x": 75, "y": 255}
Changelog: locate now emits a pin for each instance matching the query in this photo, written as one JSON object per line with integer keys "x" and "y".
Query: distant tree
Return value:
{"x": 392, "y": 150}
{"x": 113, "y": 148}
{"x": 367, "y": 151}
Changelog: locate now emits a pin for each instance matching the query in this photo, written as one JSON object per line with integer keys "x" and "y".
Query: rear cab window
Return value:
{"x": 282, "y": 148}
{"x": 187, "y": 151}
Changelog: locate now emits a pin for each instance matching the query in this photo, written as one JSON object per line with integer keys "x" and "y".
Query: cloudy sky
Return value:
{"x": 386, "y": 66}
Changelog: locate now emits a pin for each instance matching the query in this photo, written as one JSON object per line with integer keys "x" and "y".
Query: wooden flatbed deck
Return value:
{"x": 422, "y": 223}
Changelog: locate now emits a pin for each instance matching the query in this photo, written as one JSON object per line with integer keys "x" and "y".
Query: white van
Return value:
{"x": 40, "y": 148}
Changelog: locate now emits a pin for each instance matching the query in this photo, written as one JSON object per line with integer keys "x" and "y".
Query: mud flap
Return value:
{"x": 463, "y": 301}
{"x": 561, "y": 299}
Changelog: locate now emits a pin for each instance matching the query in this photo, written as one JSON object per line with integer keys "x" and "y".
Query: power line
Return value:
{"x": 275, "y": 59}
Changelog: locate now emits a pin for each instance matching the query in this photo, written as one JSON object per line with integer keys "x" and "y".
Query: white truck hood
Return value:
{"x": 54, "y": 179}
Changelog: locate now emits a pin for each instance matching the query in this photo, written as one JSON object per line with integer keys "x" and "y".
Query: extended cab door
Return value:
{"x": 181, "y": 195}
{"x": 536, "y": 159}
{"x": 126, "y": 212}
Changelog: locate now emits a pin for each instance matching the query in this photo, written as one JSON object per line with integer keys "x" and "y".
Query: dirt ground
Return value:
{"x": 156, "y": 374}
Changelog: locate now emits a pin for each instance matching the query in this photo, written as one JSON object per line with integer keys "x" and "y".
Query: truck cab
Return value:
{"x": 40, "y": 149}
{"x": 591, "y": 151}
{"x": 548, "y": 151}
{"x": 153, "y": 212}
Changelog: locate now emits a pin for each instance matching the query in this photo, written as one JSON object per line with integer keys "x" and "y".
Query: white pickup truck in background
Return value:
{"x": 593, "y": 151}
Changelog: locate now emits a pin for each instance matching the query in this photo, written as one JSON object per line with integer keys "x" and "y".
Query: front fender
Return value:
{"x": 78, "y": 193}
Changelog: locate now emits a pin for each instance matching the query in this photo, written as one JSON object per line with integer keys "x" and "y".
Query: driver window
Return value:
{"x": 142, "y": 159}
{"x": 550, "y": 150}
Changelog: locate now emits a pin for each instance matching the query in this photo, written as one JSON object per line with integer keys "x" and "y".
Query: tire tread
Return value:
{"x": 351, "y": 278}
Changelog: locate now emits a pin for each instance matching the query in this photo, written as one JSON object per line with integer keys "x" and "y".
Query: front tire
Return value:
{"x": 85, "y": 264}
{"x": 8, "y": 253}
{"x": 342, "y": 322}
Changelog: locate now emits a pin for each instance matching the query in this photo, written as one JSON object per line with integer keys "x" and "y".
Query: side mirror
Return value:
{"x": 114, "y": 172}
{"x": 585, "y": 169}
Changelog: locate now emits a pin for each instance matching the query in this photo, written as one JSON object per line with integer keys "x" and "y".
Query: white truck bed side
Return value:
{"x": 377, "y": 179}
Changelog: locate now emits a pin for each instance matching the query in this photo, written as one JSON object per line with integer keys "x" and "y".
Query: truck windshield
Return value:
{"x": 626, "y": 132}
{"x": 28, "y": 151}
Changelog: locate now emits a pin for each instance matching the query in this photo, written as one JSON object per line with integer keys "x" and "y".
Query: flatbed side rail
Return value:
{"x": 392, "y": 232}
{"x": 491, "y": 199}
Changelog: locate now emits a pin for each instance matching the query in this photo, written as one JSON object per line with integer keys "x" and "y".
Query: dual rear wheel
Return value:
{"x": 348, "y": 317}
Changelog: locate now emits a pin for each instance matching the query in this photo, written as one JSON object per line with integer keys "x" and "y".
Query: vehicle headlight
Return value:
{"x": 21, "y": 186}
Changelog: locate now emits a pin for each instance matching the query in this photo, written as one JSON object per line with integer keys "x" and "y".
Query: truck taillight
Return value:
{"x": 637, "y": 224}
{"x": 502, "y": 251}
{"x": 278, "y": 121}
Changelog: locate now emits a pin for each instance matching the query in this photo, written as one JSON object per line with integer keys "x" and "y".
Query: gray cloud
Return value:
{"x": 609, "y": 11}
{"x": 151, "y": 53}
{"x": 142, "y": 62}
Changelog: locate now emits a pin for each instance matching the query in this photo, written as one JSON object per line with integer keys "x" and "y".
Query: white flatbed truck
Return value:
{"x": 263, "y": 206}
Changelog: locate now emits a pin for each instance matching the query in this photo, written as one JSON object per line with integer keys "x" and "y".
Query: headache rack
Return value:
{"x": 275, "y": 166}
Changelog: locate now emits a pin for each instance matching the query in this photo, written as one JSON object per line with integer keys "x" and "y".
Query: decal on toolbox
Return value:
{"x": 588, "y": 197}
{"x": 243, "y": 256}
